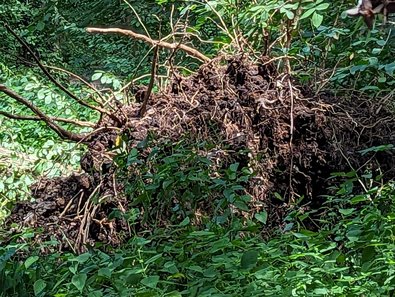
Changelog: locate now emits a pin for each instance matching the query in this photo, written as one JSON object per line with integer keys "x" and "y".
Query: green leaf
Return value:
{"x": 290, "y": 15}
{"x": 29, "y": 261}
{"x": 104, "y": 272}
{"x": 346, "y": 211}
{"x": 39, "y": 286}
{"x": 97, "y": 75}
{"x": 150, "y": 281}
{"x": 170, "y": 267}
{"x": 249, "y": 259}
{"x": 376, "y": 51}
{"x": 153, "y": 259}
{"x": 288, "y": 227}
{"x": 390, "y": 68}
{"x": 229, "y": 195}
{"x": 185, "y": 222}
{"x": 104, "y": 79}
{"x": 375, "y": 88}
{"x": 41, "y": 94}
{"x": 321, "y": 291}
{"x": 278, "y": 196}
{"x": 308, "y": 232}
{"x": 83, "y": 257}
{"x": 167, "y": 183}
{"x": 307, "y": 13}
{"x": 96, "y": 293}
{"x": 373, "y": 61}
{"x": 241, "y": 205}
{"x": 233, "y": 167}
{"x": 322, "y": 6}
{"x": 195, "y": 268}
{"x": 30, "y": 86}
{"x": 382, "y": 79}
{"x": 368, "y": 254}
{"x": 48, "y": 99}
{"x": 79, "y": 280}
{"x": 301, "y": 235}
{"x": 262, "y": 216}
{"x": 40, "y": 26}
{"x": 357, "y": 68}
{"x": 210, "y": 272}
{"x": 379, "y": 148}
{"x": 360, "y": 198}
{"x": 317, "y": 19}
{"x": 201, "y": 233}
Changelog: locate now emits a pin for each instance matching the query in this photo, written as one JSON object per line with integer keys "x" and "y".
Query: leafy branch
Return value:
{"x": 50, "y": 77}
{"x": 63, "y": 133}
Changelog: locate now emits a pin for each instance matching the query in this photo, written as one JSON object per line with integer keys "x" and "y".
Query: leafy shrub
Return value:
{"x": 350, "y": 254}
{"x": 175, "y": 182}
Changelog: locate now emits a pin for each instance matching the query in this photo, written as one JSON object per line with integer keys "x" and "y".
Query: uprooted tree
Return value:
{"x": 251, "y": 112}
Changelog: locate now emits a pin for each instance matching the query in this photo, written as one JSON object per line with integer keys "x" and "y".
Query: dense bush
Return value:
{"x": 351, "y": 254}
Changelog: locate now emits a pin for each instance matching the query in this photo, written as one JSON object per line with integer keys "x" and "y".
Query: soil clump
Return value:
{"x": 291, "y": 139}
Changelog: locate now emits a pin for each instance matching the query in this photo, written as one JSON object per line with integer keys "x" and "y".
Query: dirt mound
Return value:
{"x": 291, "y": 139}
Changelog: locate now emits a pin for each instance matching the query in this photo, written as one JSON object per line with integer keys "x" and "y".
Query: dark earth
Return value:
{"x": 290, "y": 137}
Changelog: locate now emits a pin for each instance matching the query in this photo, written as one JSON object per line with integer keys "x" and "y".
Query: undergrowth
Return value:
{"x": 349, "y": 252}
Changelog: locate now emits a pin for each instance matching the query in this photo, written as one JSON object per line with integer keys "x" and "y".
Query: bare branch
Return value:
{"x": 63, "y": 133}
{"x": 151, "y": 83}
{"x": 189, "y": 50}
{"x": 89, "y": 85}
{"x": 53, "y": 80}
{"x": 55, "y": 119}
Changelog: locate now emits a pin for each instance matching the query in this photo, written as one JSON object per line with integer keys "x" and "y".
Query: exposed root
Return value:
{"x": 291, "y": 139}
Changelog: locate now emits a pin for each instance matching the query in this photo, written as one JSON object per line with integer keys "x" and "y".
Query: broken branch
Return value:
{"x": 59, "y": 85}
{"x": 89, "y": 85}
{"x": 63, "y": 133}
{"x": 151, "y": 83}
{"x": 55, "y": 119}
{"x": 189, "y": 50}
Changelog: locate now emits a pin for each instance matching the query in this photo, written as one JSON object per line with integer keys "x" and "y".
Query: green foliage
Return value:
{"x": 181, "y": 177}
{"x": 316, "y": 35}
{"x": 28, "y": 148}
{"x": 351, "y": 255}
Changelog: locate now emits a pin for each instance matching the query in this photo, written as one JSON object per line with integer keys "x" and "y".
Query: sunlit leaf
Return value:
{"x": 39, "y": 286}
{"x": 261, "y": 217}
{"x": 317, "y": 19}
{"x": 79, "y": 280}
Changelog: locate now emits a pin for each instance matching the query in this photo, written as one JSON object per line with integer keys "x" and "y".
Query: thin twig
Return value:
{"x": 151, "y": 83}
{"x": 85, "y": 222}
{"x": 224, "y": 27}
{"x": 55, "y": 119}
{"x": 88, "y": 136}
{"x": 50, "y": 77}
{"x": 138, "y": 18}
{"x": 68, "y": 205}
{"x": 89, "y": 85}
